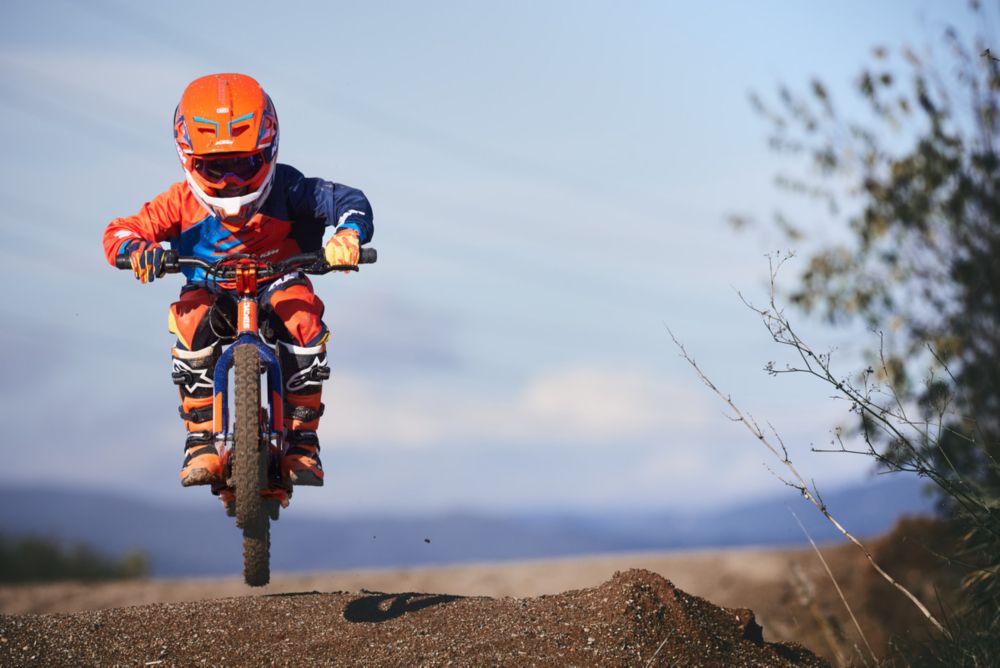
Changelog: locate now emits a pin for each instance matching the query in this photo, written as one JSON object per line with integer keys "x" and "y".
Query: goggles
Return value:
{"x": 226, "y": 167}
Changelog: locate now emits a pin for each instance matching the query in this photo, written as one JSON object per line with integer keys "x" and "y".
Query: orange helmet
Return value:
{"x": 226, "y": 131}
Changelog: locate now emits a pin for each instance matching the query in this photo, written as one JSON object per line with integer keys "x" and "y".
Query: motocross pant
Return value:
{"x": 290, "y": 318}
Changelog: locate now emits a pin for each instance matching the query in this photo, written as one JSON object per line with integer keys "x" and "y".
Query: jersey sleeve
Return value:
{"x": 158, "y": 220}
{"x": 335, "y": 204}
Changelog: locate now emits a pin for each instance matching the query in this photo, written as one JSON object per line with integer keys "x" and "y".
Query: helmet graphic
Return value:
{"x": 226, "y": 132}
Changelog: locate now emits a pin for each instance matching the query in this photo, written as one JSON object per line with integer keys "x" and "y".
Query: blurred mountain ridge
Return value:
{"x": 186, "y": 541}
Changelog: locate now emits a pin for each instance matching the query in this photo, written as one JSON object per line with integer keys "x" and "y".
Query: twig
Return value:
{"x": 662, "y": 643}
{"x": 831, "y": 630}
{"x": 836, "y": 586}
{"x": 804, "y": 488}
{"x": 878, "y": 415}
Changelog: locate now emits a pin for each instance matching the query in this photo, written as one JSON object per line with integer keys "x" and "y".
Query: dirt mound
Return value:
{"x": 634, "y": 619}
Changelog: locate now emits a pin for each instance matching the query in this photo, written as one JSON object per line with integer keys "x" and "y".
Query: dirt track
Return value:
{"x": 744, "y": 578}
{"x": 732, "y": 578}
{"x": 636, "y": 618}
{"x": 788, "y": 590}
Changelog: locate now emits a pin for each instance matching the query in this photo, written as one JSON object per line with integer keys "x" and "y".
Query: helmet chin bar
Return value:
{"x": 231, "y": 206}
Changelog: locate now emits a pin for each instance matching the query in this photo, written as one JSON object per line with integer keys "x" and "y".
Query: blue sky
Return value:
{"x": 550, "y": 183}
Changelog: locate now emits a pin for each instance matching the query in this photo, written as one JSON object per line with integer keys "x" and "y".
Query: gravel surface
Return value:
{"x": 635, "y": 619}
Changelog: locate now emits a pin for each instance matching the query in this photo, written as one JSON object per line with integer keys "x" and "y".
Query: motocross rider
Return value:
{"x": 236, "y": 198}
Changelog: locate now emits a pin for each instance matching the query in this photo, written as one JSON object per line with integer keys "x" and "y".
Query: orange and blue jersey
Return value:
{"x": 293, "y": 220}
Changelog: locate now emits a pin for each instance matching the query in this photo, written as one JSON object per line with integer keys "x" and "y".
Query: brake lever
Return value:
{"x": 322, "y": 267}
{"x": 327, "y": 268}
{"x": 319, "y": 267}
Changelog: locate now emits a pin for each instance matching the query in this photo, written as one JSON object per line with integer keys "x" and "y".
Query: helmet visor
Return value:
{"x": 239, "y": 168}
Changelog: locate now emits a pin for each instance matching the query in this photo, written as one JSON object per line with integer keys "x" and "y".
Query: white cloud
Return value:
{"x": 574, "y": 406}
{"x": 687, "y": 460}
{"x": 602, "y": 404}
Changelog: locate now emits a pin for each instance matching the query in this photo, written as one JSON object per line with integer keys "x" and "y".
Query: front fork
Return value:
{"x": 272, "y": 430}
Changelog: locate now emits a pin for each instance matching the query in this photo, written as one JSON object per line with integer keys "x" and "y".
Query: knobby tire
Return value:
{"x": 250, "y": 468}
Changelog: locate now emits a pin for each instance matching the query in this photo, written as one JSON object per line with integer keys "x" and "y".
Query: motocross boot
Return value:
{"x": 192, "y": 373}
{"x": 303, "y": 371}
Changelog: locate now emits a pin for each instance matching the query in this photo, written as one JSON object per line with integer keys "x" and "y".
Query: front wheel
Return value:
{"x": 249, "y": 474}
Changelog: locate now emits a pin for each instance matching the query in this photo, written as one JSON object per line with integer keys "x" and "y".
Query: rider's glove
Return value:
{"x": 343, "y": 248}
{"x": 147, "y": 260}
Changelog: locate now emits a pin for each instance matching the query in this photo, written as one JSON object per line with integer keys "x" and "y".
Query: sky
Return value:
{"x": 551, "y": 183}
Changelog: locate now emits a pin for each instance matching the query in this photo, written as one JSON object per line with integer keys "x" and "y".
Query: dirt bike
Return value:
{"x": 251, "y": 454}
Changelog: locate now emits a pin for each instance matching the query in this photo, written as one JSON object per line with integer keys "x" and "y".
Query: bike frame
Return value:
{"x": 248, "y": 334}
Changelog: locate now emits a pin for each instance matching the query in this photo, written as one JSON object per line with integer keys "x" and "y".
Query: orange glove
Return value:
{"x": 343, "y": 248}
{"x": 147, "y": 260}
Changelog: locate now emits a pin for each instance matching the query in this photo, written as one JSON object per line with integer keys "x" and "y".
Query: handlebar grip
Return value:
{"x": 368, "y": 256}
{"x": 171, "y": 265}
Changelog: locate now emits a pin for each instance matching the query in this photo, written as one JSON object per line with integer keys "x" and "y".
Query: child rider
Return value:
{"x": 236, "y": 198}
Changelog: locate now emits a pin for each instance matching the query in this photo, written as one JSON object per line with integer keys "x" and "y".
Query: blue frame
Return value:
{"x": 220, "y": 378}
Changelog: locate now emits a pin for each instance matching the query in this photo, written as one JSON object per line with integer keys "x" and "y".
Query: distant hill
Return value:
{"x": 193, "y": 542}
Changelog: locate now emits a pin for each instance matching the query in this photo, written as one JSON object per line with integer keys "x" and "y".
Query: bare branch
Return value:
{"x": 800, "y": 484}
{"x": 836, "y": 585}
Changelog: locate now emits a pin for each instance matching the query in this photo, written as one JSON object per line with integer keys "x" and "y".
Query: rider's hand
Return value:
{"x": 147, "y": 260}
{"x": 343, "y": 248}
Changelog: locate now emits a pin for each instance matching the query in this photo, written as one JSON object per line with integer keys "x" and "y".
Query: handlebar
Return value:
{"x": 309, "y": 263}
